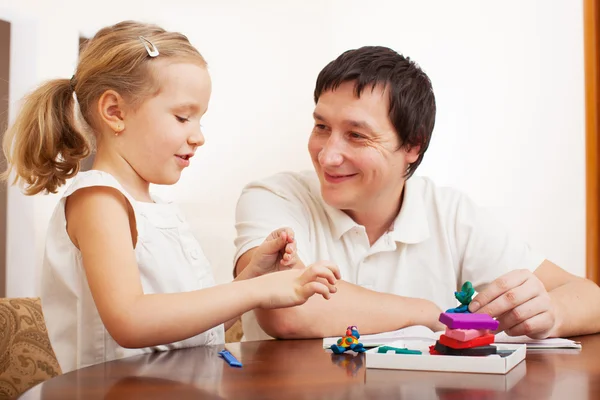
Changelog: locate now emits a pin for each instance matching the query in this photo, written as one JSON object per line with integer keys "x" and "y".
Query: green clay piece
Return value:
{"x": 385, "y": 349}
{"x": 465, "y": 294}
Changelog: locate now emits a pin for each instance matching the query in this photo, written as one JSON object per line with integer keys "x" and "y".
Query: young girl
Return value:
{"x": 122, "y": 273}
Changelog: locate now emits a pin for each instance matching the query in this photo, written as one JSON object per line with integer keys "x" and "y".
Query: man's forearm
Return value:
{"x": 370, "y": 311}
{"x": 577, "y": 305}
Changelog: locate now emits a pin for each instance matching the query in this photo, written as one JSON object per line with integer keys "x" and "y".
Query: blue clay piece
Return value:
{"x": 459, "y": 310}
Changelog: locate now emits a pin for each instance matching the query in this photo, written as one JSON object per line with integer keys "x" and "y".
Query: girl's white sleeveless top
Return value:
{"x": 169, "y": 258}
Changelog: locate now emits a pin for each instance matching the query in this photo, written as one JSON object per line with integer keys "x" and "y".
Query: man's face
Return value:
{"x": 356, "y": 151}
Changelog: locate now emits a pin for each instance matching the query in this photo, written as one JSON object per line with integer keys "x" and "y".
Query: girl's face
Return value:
{"x": 163, "y": 133}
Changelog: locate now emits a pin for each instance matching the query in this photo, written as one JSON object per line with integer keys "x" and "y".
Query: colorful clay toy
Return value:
{"x": 467, "y": 334}
{"x": 348, "y": 342}
{"x": 464, "y": 297}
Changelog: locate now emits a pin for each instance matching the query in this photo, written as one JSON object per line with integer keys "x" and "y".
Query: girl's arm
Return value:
{"x": 100, "y": 223}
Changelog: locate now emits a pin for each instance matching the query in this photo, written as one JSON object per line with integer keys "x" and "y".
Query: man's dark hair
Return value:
{"x": 412, "y": 102}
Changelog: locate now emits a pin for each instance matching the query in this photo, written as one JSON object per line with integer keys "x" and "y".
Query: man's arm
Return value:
{"x": 371, "y": 311}
{"x": 576, "y": 300}
{"x": 548, "y": 302}
{"x": 528, "y": 294}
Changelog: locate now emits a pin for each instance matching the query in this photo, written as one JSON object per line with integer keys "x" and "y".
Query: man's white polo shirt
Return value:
{"x": 439, "y": 239}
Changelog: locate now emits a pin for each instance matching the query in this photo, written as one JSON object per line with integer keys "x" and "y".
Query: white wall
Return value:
{"x": 509, "y": 84}
{"x": 508, "y": 79}
{"x": 263, "y": 58}
{"x": 34, "y": 57}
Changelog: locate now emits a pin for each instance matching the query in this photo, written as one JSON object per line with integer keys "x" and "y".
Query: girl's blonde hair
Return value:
{"x": 45, "y": 144}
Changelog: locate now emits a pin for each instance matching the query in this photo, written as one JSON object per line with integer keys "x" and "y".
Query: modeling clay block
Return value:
{"x": 456, "y": 344}
{"x": 475, "y": 351}
{"x": 504, "y": 353}
{"x": 397, "y": 350}
{"x": 468, "y": 321}
{"x": 460, "y": 309}
{"x": 465, "y": 334}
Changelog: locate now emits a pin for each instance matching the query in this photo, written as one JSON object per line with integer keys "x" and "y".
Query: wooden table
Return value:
{"x": 301, "y": 369}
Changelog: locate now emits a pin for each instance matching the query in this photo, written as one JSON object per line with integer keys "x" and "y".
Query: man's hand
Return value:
{"x": 520, "y": 302}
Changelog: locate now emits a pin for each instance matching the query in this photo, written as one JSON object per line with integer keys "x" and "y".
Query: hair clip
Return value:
{"x": 150, "y": 47}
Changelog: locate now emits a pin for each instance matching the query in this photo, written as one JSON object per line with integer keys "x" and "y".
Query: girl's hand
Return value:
{"x": 294, "y": 287}
{"x": 276, "y": 253}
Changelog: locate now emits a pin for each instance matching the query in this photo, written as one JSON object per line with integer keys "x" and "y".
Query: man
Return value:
{"x": 403, "y": 245}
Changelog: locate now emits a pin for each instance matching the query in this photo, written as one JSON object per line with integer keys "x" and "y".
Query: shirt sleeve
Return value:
{"x": 487, "y": 250}
{"x": 264, "y": 207}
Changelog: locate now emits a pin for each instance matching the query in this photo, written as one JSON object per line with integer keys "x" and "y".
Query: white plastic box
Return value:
{"x": 492, "y": 364}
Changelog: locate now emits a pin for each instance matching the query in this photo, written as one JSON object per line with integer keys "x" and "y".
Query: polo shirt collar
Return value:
{"x": 410, "y": 226}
